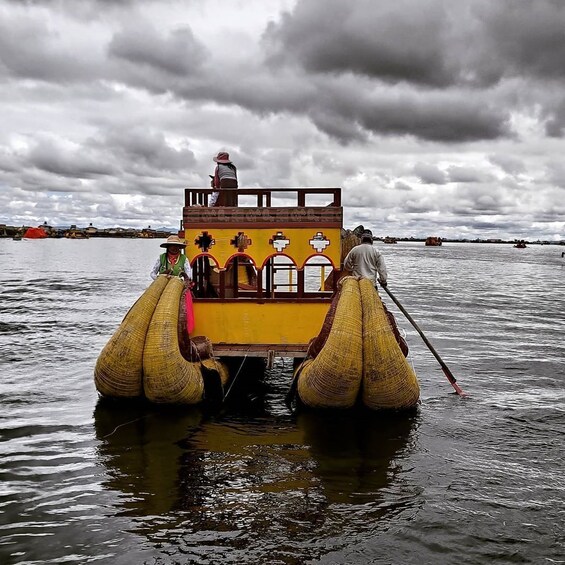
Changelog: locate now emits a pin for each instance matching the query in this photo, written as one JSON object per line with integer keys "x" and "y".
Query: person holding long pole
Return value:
{"x": 364, "y": 260}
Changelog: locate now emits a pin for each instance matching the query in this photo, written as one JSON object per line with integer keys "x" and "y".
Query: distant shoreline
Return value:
{"x": 475, "y": 240}
{"x": 74, "y": 232}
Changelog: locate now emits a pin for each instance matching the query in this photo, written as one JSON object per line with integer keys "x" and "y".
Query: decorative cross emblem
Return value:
{"x": 279, "y": 241}
{"x": 241, "y": 242}
{"x": 319, "y": 242}
{"x": 204, "y": 241}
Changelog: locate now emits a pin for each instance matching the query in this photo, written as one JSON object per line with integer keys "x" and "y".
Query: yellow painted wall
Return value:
{"x": 245, "y": 322}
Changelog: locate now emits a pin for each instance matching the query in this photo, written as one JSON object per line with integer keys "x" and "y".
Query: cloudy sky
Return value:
{"x": 436, "y": 117}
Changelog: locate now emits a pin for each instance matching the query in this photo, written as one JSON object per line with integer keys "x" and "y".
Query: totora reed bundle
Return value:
{"x": 333, "y": 378}
{"x": 119, "y": 368}
{"x": 358, "y": 358}
{"x": 388, "y": 379}
{"x": 167, "y": 376}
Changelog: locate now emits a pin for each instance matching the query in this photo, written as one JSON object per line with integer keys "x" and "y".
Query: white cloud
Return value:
{"x": 447, "y": 120}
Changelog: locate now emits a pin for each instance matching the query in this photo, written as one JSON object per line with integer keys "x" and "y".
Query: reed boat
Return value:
{"x": 35, "y": 233}
{"x": 267, "y": 282}
{"x": 433, "y": 241}
{"x": 76, "y": 234}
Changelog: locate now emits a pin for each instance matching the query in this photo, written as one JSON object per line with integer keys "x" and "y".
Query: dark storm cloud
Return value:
{"x": 347, "y": 109}
{"x": 28, "y": 49}
{"x": 31, "y": 48}
{"x": 365, "y": 37}
{"x": 48, "y": 156}
{"x": 132, "y": 153}
{"x": 523, "y": 37}
{"x": 144, "y": 151}
{"x": 437, "y": 116}
{"x": 452, "y": 58}
{"x": 178, "y": 53}
{"x": 438, "y": 43}
{"x": 341, "y": 128}
{"x": 344, "y": 105}
{"x": 555, "y": 122}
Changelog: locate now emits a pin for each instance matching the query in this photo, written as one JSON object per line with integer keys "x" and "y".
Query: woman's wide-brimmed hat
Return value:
{"x": 173, "y": 240}
{"x": 222, "y": 157}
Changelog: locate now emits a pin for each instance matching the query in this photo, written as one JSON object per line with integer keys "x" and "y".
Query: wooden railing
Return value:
{"x": 264, "y": 196}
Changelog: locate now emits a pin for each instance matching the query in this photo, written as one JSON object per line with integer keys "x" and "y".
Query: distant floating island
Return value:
{"x": 74, "y": 232}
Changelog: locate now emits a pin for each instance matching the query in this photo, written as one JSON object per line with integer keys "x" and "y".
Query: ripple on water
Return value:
{"x": 474, "y": 480}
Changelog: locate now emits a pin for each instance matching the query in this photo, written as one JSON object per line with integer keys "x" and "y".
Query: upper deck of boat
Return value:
{"x": 263, "y": 207}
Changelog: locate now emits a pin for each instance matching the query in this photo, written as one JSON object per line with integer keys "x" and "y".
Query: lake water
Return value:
{"x": 463, "y": 480}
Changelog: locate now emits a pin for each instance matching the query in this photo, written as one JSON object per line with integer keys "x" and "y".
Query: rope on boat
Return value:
{"x": 235, "y": 378}
{"x": 127, "y": 424}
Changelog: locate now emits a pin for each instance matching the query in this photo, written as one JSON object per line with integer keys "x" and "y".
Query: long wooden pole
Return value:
{"x": 444, "y": 367}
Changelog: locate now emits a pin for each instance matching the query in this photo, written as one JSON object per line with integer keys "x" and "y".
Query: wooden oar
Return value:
{"x": 444, "y": 367}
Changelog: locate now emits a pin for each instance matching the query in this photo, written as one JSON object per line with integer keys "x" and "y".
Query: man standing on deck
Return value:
{"x": 364, "y": 260}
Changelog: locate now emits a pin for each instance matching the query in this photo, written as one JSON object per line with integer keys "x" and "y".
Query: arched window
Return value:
{"x": 318, "y": 275}
{"x": 206, "y": 277}
{"x": 239, "y": 278}
{"x": 280, "y": 277}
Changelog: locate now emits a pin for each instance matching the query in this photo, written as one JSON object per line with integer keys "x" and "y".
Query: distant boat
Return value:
{"x": 521, "y": 244}
{"x": 35, "y": 233}
{"x": 433, "y": 241}
{"x": 76, "y": 234}
{"x": 17, "y": 237}
{"x": 388, "y": 239}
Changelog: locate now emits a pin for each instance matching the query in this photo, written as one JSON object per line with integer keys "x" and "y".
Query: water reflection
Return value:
{"x": 139, "y": 446}
{"x": 357, "y": 454}
{"x": 253, "y": 484}
{"x": 246, "y": 481}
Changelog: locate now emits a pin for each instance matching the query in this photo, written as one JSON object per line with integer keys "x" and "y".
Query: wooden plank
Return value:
{"x": 259, "y": 350}
{"x": 262, "y": 217}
